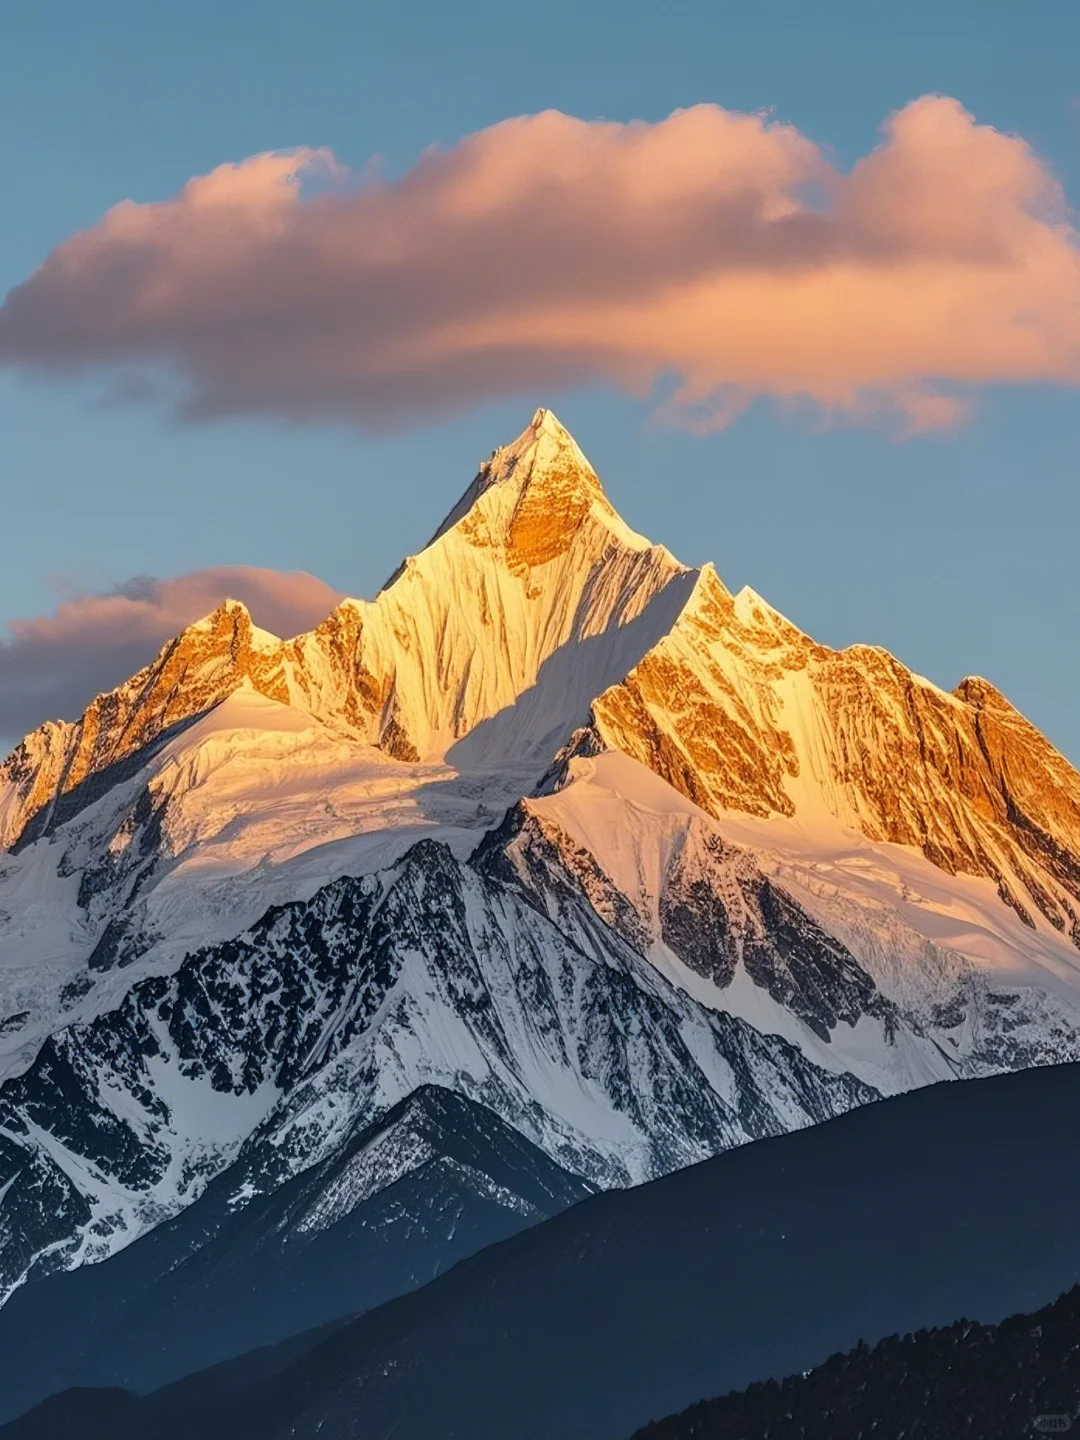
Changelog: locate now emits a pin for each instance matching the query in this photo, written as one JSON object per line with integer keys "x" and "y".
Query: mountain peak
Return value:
{"x": 227, "y": 612}
{"x": 531, "y": 497}
{"x": 549, "y": 422}
{"x": 978, "y": 692}
{"x": 544, "y": 445}
{"x": 231, "y": 620}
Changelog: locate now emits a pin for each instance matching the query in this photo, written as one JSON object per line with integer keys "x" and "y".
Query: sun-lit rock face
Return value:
{"x": 533, "y": 498}
{"x": 740, "y": 711}
{"x": 701, "y": 708}
{"x": 193, "y": 673}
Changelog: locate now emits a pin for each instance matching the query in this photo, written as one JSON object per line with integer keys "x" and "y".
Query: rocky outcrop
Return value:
{"x": 740, "y": 711}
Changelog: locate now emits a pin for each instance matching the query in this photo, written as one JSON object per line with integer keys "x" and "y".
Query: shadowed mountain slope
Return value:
{"x": 435, "y": 1180}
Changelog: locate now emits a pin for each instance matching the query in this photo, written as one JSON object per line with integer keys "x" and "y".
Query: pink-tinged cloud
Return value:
{"x": 52, "y": 665}
{"x": 716, "y": 255}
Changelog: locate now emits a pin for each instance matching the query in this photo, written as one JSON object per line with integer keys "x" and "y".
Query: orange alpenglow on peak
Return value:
{"x": 460, "y": 632}
{"x": 544, "y": 468}
{"x": 535, "y": 610}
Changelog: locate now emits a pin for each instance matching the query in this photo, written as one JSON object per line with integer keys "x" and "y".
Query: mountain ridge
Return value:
{"x": 554, "y": 822}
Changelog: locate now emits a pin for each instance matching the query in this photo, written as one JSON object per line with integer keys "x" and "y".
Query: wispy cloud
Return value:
{"x": 52, "y": 665}
{"x": 721, "y": 253}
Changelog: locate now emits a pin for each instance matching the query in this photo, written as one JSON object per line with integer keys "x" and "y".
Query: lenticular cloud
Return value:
{"x": 721, "y": 256}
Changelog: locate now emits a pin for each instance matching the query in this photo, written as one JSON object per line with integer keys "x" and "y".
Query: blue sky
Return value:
{"x": 954, "y": 549}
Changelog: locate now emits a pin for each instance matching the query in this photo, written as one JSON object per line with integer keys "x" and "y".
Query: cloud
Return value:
{"x": 717, "y": 255}
{"x": 52, "y": 665}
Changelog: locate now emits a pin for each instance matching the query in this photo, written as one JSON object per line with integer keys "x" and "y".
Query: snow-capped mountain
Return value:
{"x": 553, "y": 823}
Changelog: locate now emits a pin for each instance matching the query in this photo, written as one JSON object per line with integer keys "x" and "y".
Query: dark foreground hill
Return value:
{"x": 1021, "y": 1377}
{"x": 219, "y": 1280}
{"x": 956, "y": 1200}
